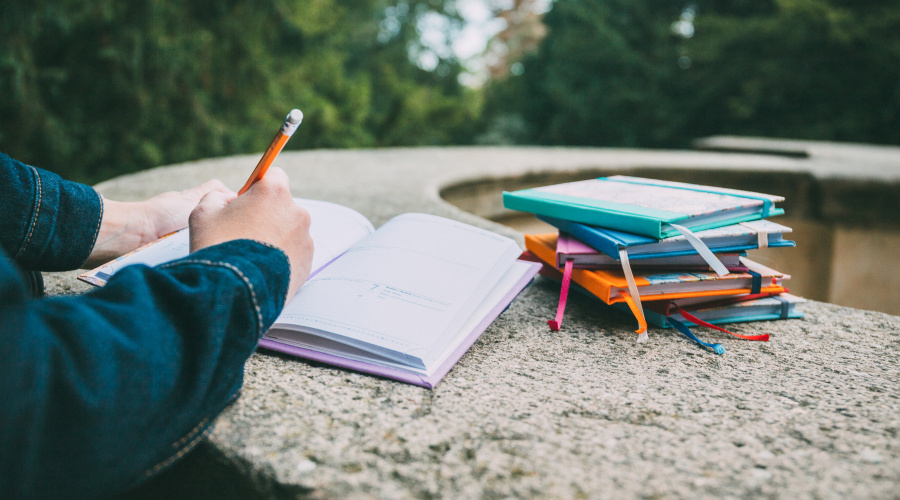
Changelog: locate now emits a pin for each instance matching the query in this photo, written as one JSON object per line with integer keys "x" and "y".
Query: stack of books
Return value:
{"x": 674, "y": 254}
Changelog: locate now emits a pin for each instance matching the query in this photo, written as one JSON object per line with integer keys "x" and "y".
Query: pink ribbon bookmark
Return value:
{"x": 563, "y": 295}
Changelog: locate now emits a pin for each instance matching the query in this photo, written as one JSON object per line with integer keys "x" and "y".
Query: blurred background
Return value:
{"x": 92, "y": 89}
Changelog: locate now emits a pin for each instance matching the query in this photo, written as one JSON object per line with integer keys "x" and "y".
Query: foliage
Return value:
{"x": 623, "y": 73}
{"x": 93, "y": 89}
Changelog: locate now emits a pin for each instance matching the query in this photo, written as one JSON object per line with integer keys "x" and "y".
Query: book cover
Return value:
{"x": 727, "y": 239}
{"x": 641, "y": 206}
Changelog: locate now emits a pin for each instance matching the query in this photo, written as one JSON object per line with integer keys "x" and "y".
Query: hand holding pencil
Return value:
{"x": 266, "y": 213}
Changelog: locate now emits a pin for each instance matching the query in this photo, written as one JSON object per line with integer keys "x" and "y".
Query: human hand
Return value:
{"x": 127, "y": 225}
{"x": 267, "y": 213}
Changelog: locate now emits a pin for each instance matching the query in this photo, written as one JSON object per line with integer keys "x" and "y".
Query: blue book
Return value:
{"x": 728, "y": 239}
{"x": 645, "y": 207}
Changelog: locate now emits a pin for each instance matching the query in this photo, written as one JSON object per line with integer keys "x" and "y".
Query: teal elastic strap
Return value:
{"x": 785, "y": 307}
{"x": 767, "y": 203}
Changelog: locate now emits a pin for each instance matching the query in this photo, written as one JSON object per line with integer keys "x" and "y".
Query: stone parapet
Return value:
{"x": 583, "y": 412}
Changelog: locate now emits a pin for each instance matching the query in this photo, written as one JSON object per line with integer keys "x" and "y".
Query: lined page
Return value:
{"x": 405, "y": 290}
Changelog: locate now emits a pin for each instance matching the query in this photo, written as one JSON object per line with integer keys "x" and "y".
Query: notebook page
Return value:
{"x": 334, "y": 228}
{"x": 405, "y": 289}
{"x": 285, "y": 333}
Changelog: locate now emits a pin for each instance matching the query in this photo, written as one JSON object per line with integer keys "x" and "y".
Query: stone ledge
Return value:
{"x": 529, "y": 413}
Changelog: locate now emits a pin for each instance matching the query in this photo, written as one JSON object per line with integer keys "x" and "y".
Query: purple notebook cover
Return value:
{"x": 404, "y": 376}
{"x": 567, "y": 245}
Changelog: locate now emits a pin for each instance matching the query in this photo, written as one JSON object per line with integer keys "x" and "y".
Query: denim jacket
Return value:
{"x": 102, "y": 390}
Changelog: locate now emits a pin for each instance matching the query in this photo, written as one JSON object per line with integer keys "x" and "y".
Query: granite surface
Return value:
{"x": 527, "y": 413}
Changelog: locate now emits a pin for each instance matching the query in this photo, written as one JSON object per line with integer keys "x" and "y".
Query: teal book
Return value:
{"x": 728, "y": 310}
{"x": 646, "y": 207}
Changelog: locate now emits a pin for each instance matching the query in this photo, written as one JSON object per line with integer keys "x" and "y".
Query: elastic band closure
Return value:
{"x": 762, "y": 237}
{"x": 702, "y": 249}
{"x": 635, "y": 295}
{"x": 757, "y": 282}
{"x": 699, "y": 322}
{"x": 563, "y": 296}
{"x": 785, "y": 306}
{"x": 681, "y": 327}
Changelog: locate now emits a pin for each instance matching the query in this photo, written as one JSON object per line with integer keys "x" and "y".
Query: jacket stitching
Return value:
{"x": 153, "y": 470}
{"x": 97, "y": 229}
{"x": 263, "y": 243}
{"x": 190, "y": 433}
{"x": 188, "y": 447}
{"x": 37, "y": 211}
{"x": 99, "y": 219}
{"x": 259, "y": 316}
{"x": 288, "y": 259}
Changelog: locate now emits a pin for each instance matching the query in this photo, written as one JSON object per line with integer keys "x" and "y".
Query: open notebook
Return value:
{"x": 404, "y": 302}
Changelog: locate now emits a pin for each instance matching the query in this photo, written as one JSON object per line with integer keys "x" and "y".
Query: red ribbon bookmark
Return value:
{"x": 699, "y": 322}
{"x": 563, "y": 295}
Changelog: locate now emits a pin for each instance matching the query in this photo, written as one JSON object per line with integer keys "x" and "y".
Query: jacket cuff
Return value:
{"x": 57, "y": 222}
{"x": 264, "y": 269}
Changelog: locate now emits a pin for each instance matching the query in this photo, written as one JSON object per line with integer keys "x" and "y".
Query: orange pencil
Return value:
{"x": 287, "y": 130}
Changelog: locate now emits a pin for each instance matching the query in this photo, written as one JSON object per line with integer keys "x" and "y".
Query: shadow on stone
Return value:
{"x": 206, "y": 473}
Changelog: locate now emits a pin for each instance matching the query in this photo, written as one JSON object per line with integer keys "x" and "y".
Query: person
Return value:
{"x": 101, "y": 391}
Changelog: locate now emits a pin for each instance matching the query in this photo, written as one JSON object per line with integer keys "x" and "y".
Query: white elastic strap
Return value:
{"x": 762, "y": 237}
{"x": 632, "y": 288}
{"x": 702, "y": 249}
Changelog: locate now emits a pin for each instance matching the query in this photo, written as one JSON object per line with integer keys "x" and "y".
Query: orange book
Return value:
{"x": 610, "y": 285}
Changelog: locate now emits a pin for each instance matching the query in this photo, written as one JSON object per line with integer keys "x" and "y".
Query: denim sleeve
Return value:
{"x": 46, "y": 223}
{"x": 100, "y": 391}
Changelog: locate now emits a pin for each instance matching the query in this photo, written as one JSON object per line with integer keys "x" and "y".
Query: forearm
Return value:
{"x": 124, "y": 227}
{"x": 50, "y": 224}
{"x": 113, "y": 383}
{"x": 46, "y": 223}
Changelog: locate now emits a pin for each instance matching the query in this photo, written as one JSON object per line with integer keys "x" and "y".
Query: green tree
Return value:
{"x": 93, "y": 89}
{"x": 810, "y": 69}
{"x": 655, "y": 74}
{"x": 596, "y": 78}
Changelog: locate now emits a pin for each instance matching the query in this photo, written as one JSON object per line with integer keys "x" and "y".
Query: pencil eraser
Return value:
{"x": 295, "y": 116}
